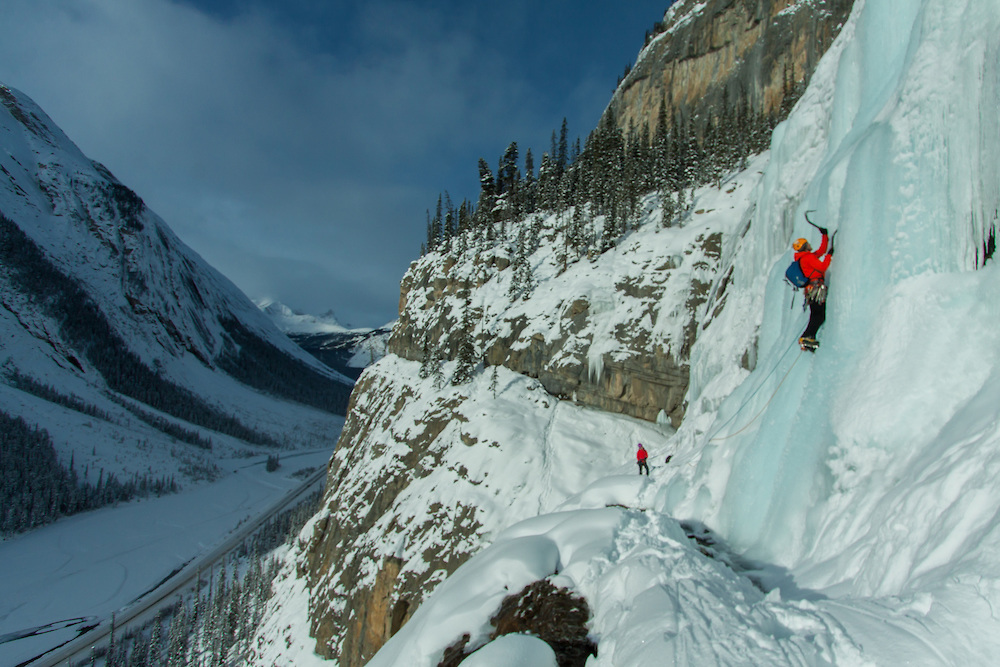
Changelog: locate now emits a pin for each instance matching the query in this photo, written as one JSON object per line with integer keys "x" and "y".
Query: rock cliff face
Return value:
{"x": 420, "y": 478}
{"x": 708, "y": 55}
{"x": 630, "y": 372}
{"x": 611, "y": 331}
{"x": 424, "y": 478}
{"x": 349, "y": 621}
{"x": 725, "y": 51}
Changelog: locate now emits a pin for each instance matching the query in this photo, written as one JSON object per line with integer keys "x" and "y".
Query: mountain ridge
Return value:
{"x": 108, "y": 309}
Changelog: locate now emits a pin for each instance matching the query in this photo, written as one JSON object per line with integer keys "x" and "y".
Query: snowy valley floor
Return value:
{"x": 84, "y": 567}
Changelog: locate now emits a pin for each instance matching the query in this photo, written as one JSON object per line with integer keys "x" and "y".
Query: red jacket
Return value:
{"x": 641, "y": 454}
{"x": 812, "y": 266}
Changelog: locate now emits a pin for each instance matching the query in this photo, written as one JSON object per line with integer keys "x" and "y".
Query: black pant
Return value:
{"x": 817, "y": 315}
{"x": 643, "y": 464}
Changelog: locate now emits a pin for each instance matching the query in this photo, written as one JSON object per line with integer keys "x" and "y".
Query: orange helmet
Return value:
{"x": 799, "y": 244}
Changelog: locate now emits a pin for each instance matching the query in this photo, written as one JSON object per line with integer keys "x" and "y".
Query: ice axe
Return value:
{"x": 822, "y": 230}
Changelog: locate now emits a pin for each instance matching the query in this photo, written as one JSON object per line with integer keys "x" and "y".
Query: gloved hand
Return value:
{"x": 823, "y": 230}
{"x": 830, "y": 253}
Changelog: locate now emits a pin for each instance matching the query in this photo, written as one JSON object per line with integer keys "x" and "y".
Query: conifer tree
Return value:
{"x": 427, "y": 358}
{"x": 668, "y": 208}
{"x": 662, "y": 163}
{"x": 508, "y": 174}
{"x": 487, "y": 199}
{"x": 632, "y": 185}
{"x": 138, "y": 653}
{"x": 521, "y": 279}
{"x": 528, "y": 187}
{"x": 487, "y": 184}
{"x": 437, "y": 230}
{"x": 465, "y": 217}
{"x": 155, "y": 652}
{"x": 562, "y": 157}
{"x": 466, "y": 360}
{"x": 564, "y": 192}
{"x": 437, "y": 370}
{"x": 577, "y": 230}
{"x": 449, "y": 223}
{"x": 547, "y": 184}
{"x": 111, "y": 657}
{"x": 177, "y": 637}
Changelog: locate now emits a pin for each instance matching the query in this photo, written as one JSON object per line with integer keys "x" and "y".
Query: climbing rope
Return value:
{"x": 754, "y": 393}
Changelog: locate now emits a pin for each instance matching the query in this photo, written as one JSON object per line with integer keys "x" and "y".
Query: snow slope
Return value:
{"x": 851, "y": 494}
{"x": 78, "y": 571}
{"x": 157, "y": 291}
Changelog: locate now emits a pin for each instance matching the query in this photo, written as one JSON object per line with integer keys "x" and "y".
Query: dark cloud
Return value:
{"x": 296, "y": 145}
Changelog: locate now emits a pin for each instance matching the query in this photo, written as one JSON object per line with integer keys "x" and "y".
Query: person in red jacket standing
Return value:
{"x": 814, "y": 266}
{"x": 640, "y": 457}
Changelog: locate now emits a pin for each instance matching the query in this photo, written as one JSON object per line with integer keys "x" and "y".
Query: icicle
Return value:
{"x": 595, "y": 365}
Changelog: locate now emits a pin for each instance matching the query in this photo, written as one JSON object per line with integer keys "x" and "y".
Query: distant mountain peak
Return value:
{"x": 294, "y": 321}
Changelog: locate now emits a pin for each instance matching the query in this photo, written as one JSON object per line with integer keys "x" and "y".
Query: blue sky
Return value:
{"x": 296, "y": 145}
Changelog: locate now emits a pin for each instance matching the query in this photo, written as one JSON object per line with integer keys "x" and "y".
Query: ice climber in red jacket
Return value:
{"x": 640, "y": 457}
{"x": 814, "y": 266}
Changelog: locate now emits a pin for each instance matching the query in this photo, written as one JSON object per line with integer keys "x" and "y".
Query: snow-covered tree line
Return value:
{"x": 582, "y": 201}
{"x": 213, "y": 629}
{"x": 49, "y": 393}
{"x": 36, "y": 488}
{"x": 606, "y": 178}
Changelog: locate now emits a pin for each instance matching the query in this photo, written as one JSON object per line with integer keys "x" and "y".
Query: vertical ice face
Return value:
{"x": 894, "y": 147}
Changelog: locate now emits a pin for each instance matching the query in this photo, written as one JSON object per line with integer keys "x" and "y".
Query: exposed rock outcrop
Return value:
{"x": 611, "y": 333}
{"x": 724, "y": 52}
{"x": 351, "y": 621}
{"x": 642, "y": 374}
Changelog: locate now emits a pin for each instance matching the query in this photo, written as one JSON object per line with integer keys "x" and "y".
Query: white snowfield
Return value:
{"x": 853, "y": 492}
